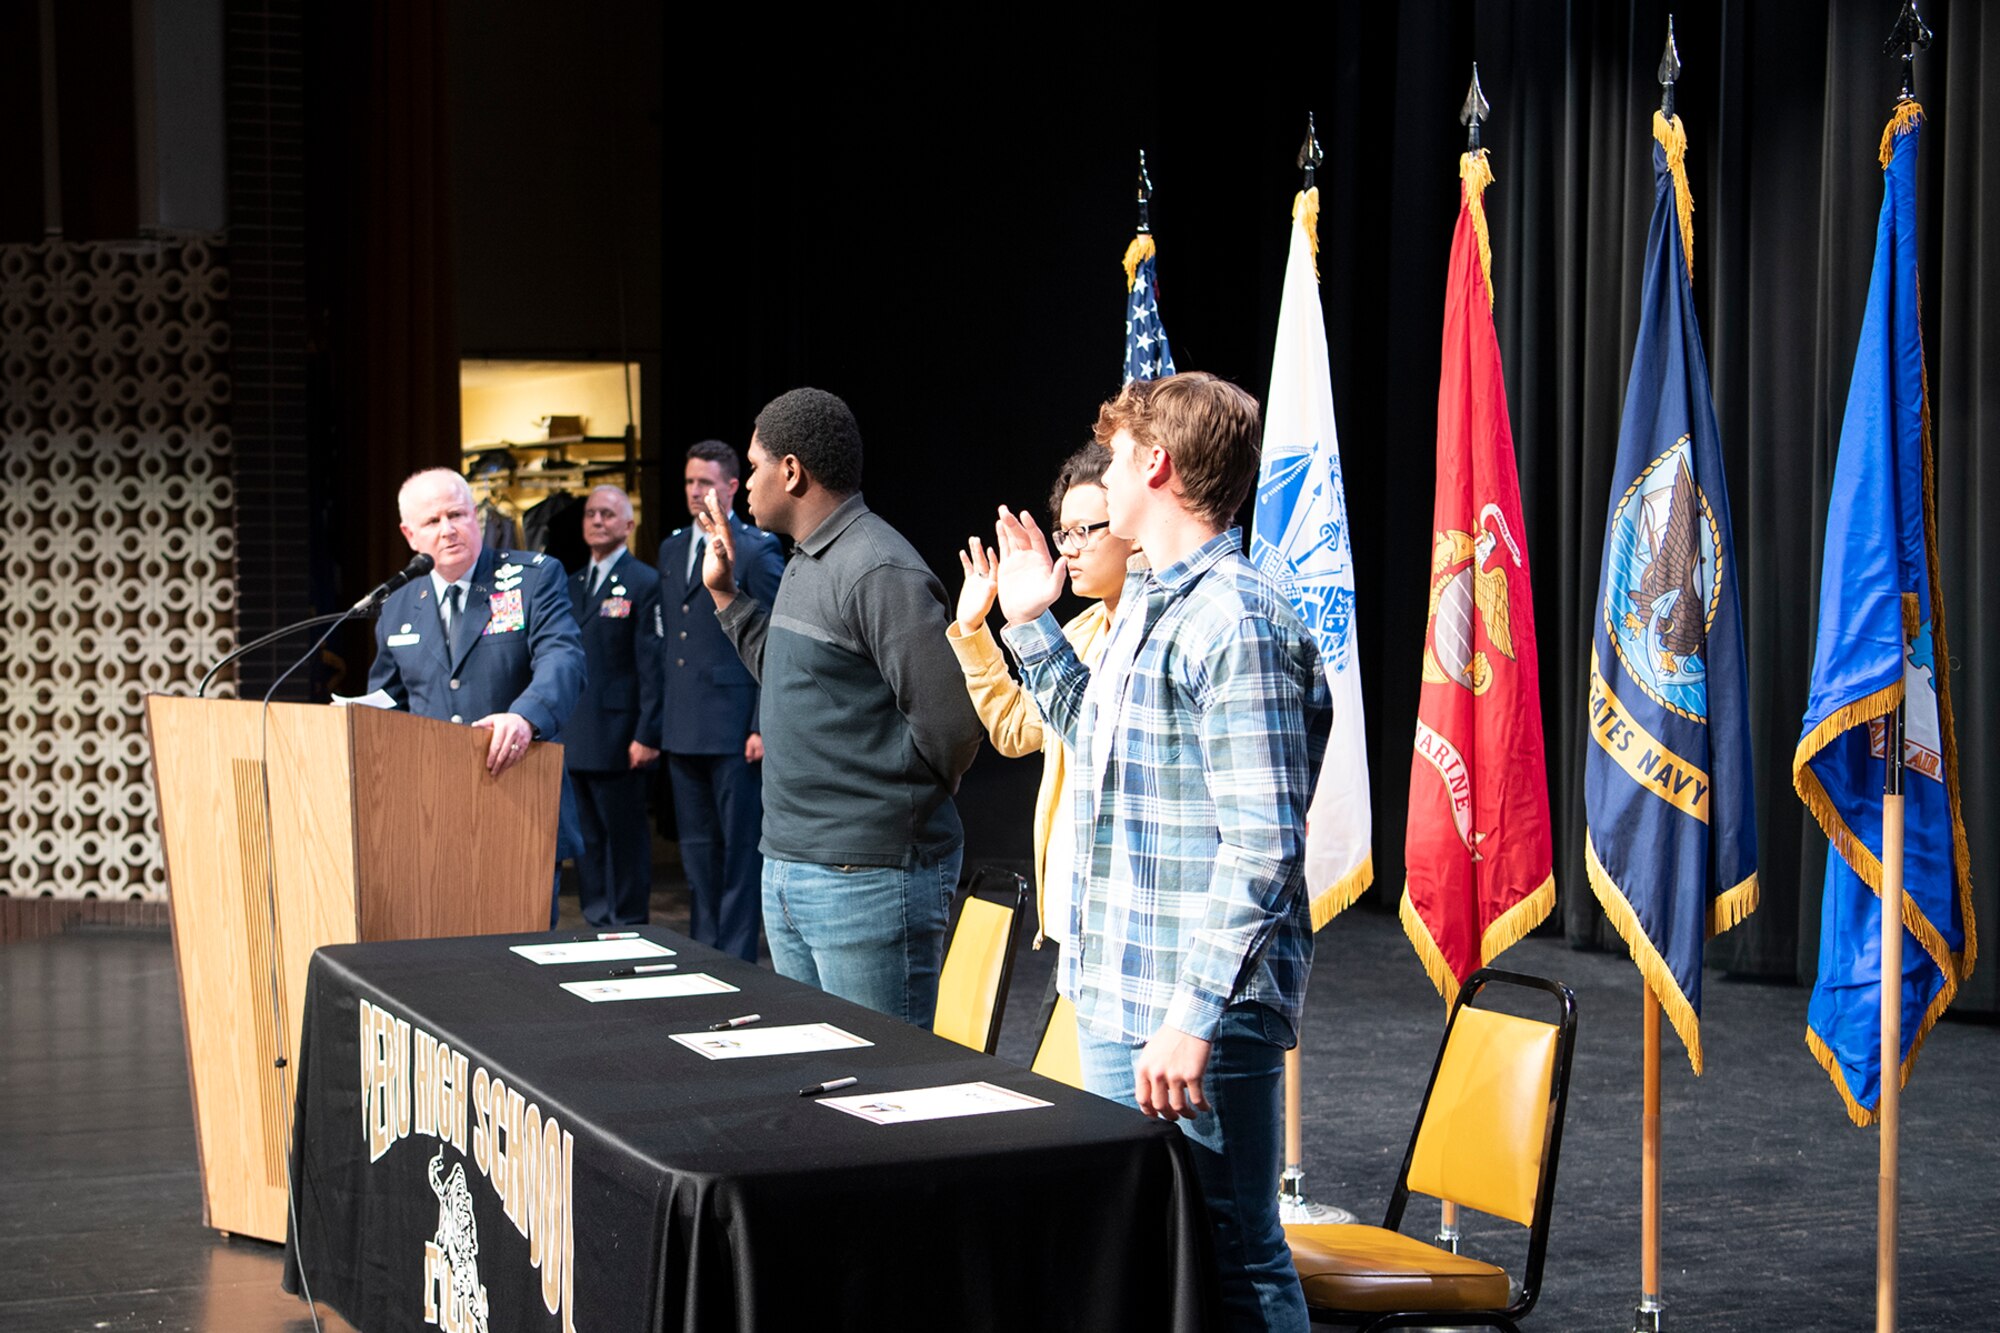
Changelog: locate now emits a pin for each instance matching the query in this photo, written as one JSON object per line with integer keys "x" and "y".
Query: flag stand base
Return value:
{"x": 1646, "y": 1317}
{"x": 1295, "y": 1209}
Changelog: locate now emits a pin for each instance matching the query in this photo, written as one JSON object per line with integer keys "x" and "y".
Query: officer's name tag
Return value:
{"x": 506, "y": 617}
{"x": 404, "y": 640}
{"x": 618, "y": 608}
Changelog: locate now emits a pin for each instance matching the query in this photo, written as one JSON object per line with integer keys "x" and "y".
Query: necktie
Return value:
{"x": 450, "y": 608}
{"x": 596, "y": 580}
{"x": 694, "y": 557}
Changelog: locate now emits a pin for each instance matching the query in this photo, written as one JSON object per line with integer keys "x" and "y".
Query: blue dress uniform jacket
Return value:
{"x": 710, "y": 702}
{"x": 527, "y": 660}
{"x": 709, "y": 709}
{"x": 621, "y": 642}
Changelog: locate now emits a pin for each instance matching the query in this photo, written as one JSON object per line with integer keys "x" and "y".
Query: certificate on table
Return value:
{"x": 591, "y": 951}
{"x": 790, "y": 1039}
{"x": 648, "y": 988}
{"x": 944, "y": 1103}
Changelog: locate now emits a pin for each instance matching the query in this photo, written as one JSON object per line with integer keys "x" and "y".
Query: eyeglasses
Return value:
{"x": 1075, "y": 537}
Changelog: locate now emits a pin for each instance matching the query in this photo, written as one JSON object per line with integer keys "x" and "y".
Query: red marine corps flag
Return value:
{"x": 1478, "y": 851}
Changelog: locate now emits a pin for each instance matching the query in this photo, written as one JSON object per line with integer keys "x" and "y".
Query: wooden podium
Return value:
{"x": 380, "y": 826}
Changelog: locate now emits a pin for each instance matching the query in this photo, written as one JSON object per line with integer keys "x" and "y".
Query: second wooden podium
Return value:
{"x": 378, "y": 826}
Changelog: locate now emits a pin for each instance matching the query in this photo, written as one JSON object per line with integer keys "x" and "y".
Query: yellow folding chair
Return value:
{"x": 979, "y": 961}
{"x": 1056, "y": 1056}
{"x": 1487, "y": 1137}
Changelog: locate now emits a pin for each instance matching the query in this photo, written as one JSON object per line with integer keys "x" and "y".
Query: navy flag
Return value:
{"x": 1672, "y": 840}
{"x": 1881, "y": 643}
{"x": 1147, "y": 356}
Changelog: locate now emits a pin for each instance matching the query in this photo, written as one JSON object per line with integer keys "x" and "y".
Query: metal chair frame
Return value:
{"x": 1545, "y": 1187}
{"x": 1011, "y": 892}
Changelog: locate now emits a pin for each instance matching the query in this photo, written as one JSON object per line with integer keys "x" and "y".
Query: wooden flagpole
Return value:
{"x": 1646, "y": 1319}
{"x": 1293, "y": 1205}
{"x": 1892, "y": 1026}
{"x": 1447, "y": 1236}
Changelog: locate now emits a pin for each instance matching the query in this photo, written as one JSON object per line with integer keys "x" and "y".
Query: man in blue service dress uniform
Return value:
{"x": 486, "y": 639}
{"x": 709, "y": 730}
{"x": 614, "y": 734}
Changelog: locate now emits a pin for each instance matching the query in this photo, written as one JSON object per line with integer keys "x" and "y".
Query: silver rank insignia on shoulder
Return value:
{"x": 536, "y": 561}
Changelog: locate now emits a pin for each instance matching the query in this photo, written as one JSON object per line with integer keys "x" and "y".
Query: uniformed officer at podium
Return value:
{"x": 486, "y": 639}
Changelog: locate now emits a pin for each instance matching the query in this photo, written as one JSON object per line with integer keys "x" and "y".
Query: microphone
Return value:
{"x": 419, "y": 566}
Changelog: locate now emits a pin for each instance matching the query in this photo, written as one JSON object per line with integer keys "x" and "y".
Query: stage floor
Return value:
{"x": 1769, "y": 1193}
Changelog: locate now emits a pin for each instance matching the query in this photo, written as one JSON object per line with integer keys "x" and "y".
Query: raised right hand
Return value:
{"x": 975, "y": 599}
{"x": 718, "y": 558}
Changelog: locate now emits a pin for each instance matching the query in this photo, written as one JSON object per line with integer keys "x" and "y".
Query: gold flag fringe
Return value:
{"x": 1512, "y": 926}
{"x": 1856, "y": 1112}
{"x": 1328, "y": 905}
{"x": 1508, "y": 929}
{"x": 1732, "y": 905}
{"x": 1807, "y": 784}
{"x": 1673, "y": 137}
{"x": 1859, "y": 1114}
{"x": 1428, "y": 953}
{"x": 1305, "y": 209}
{"x": 1652, "y": 967}
{"x": 1477, "y": 173}
{"x": 1137, "y": 253}
{"x": 1907, "y": 117}
{"x": 1952, "y": 969}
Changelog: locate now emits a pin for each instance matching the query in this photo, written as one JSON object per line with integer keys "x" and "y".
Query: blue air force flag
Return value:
{"x": 1299, "y": 540}
{"x": 1881, "y": 642}
{"x": 1672, "y": 839}
{"x": 1147, "y": 356}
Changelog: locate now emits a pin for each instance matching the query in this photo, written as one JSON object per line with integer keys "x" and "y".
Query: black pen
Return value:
{"x": 646, "y": 967}
{"x": 831, "y": 1085}
{"x": 729, "y": 1023}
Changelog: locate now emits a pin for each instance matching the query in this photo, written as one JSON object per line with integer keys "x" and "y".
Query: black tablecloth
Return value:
{"x": 669, "y": 1191}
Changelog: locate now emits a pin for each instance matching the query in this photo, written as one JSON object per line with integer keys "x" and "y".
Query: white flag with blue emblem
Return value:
{"x": 1299, "y": 540}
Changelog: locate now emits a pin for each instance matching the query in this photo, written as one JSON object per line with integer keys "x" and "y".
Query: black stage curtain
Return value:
{"x": 382, "y": 400}
{"x": 937, "y": 241}
{"x": 1785, "y": 109}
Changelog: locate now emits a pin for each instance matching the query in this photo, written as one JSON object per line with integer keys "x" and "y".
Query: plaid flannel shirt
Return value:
{"x": 1190, "y": 833}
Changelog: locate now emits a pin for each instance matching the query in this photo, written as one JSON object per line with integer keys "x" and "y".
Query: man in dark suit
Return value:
{"x": 709, "y": 714}
{"x": 614, "y": 734}
{"x": 486, "y": 639}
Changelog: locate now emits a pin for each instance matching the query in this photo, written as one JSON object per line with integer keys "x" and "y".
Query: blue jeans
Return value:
{"x": 1237, "y": 1145}
{"x": 870, "y": 934}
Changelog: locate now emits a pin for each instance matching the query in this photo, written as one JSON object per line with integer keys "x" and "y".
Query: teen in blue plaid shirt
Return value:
{"x": 1196, "y": 741}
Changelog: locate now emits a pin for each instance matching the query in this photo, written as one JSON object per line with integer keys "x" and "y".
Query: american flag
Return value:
{"x": 1147, "y": 356}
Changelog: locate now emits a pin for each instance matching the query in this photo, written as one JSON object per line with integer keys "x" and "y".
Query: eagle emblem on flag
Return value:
{"x": 1665, "y": 581}
{"x": 1466, "y": 585}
